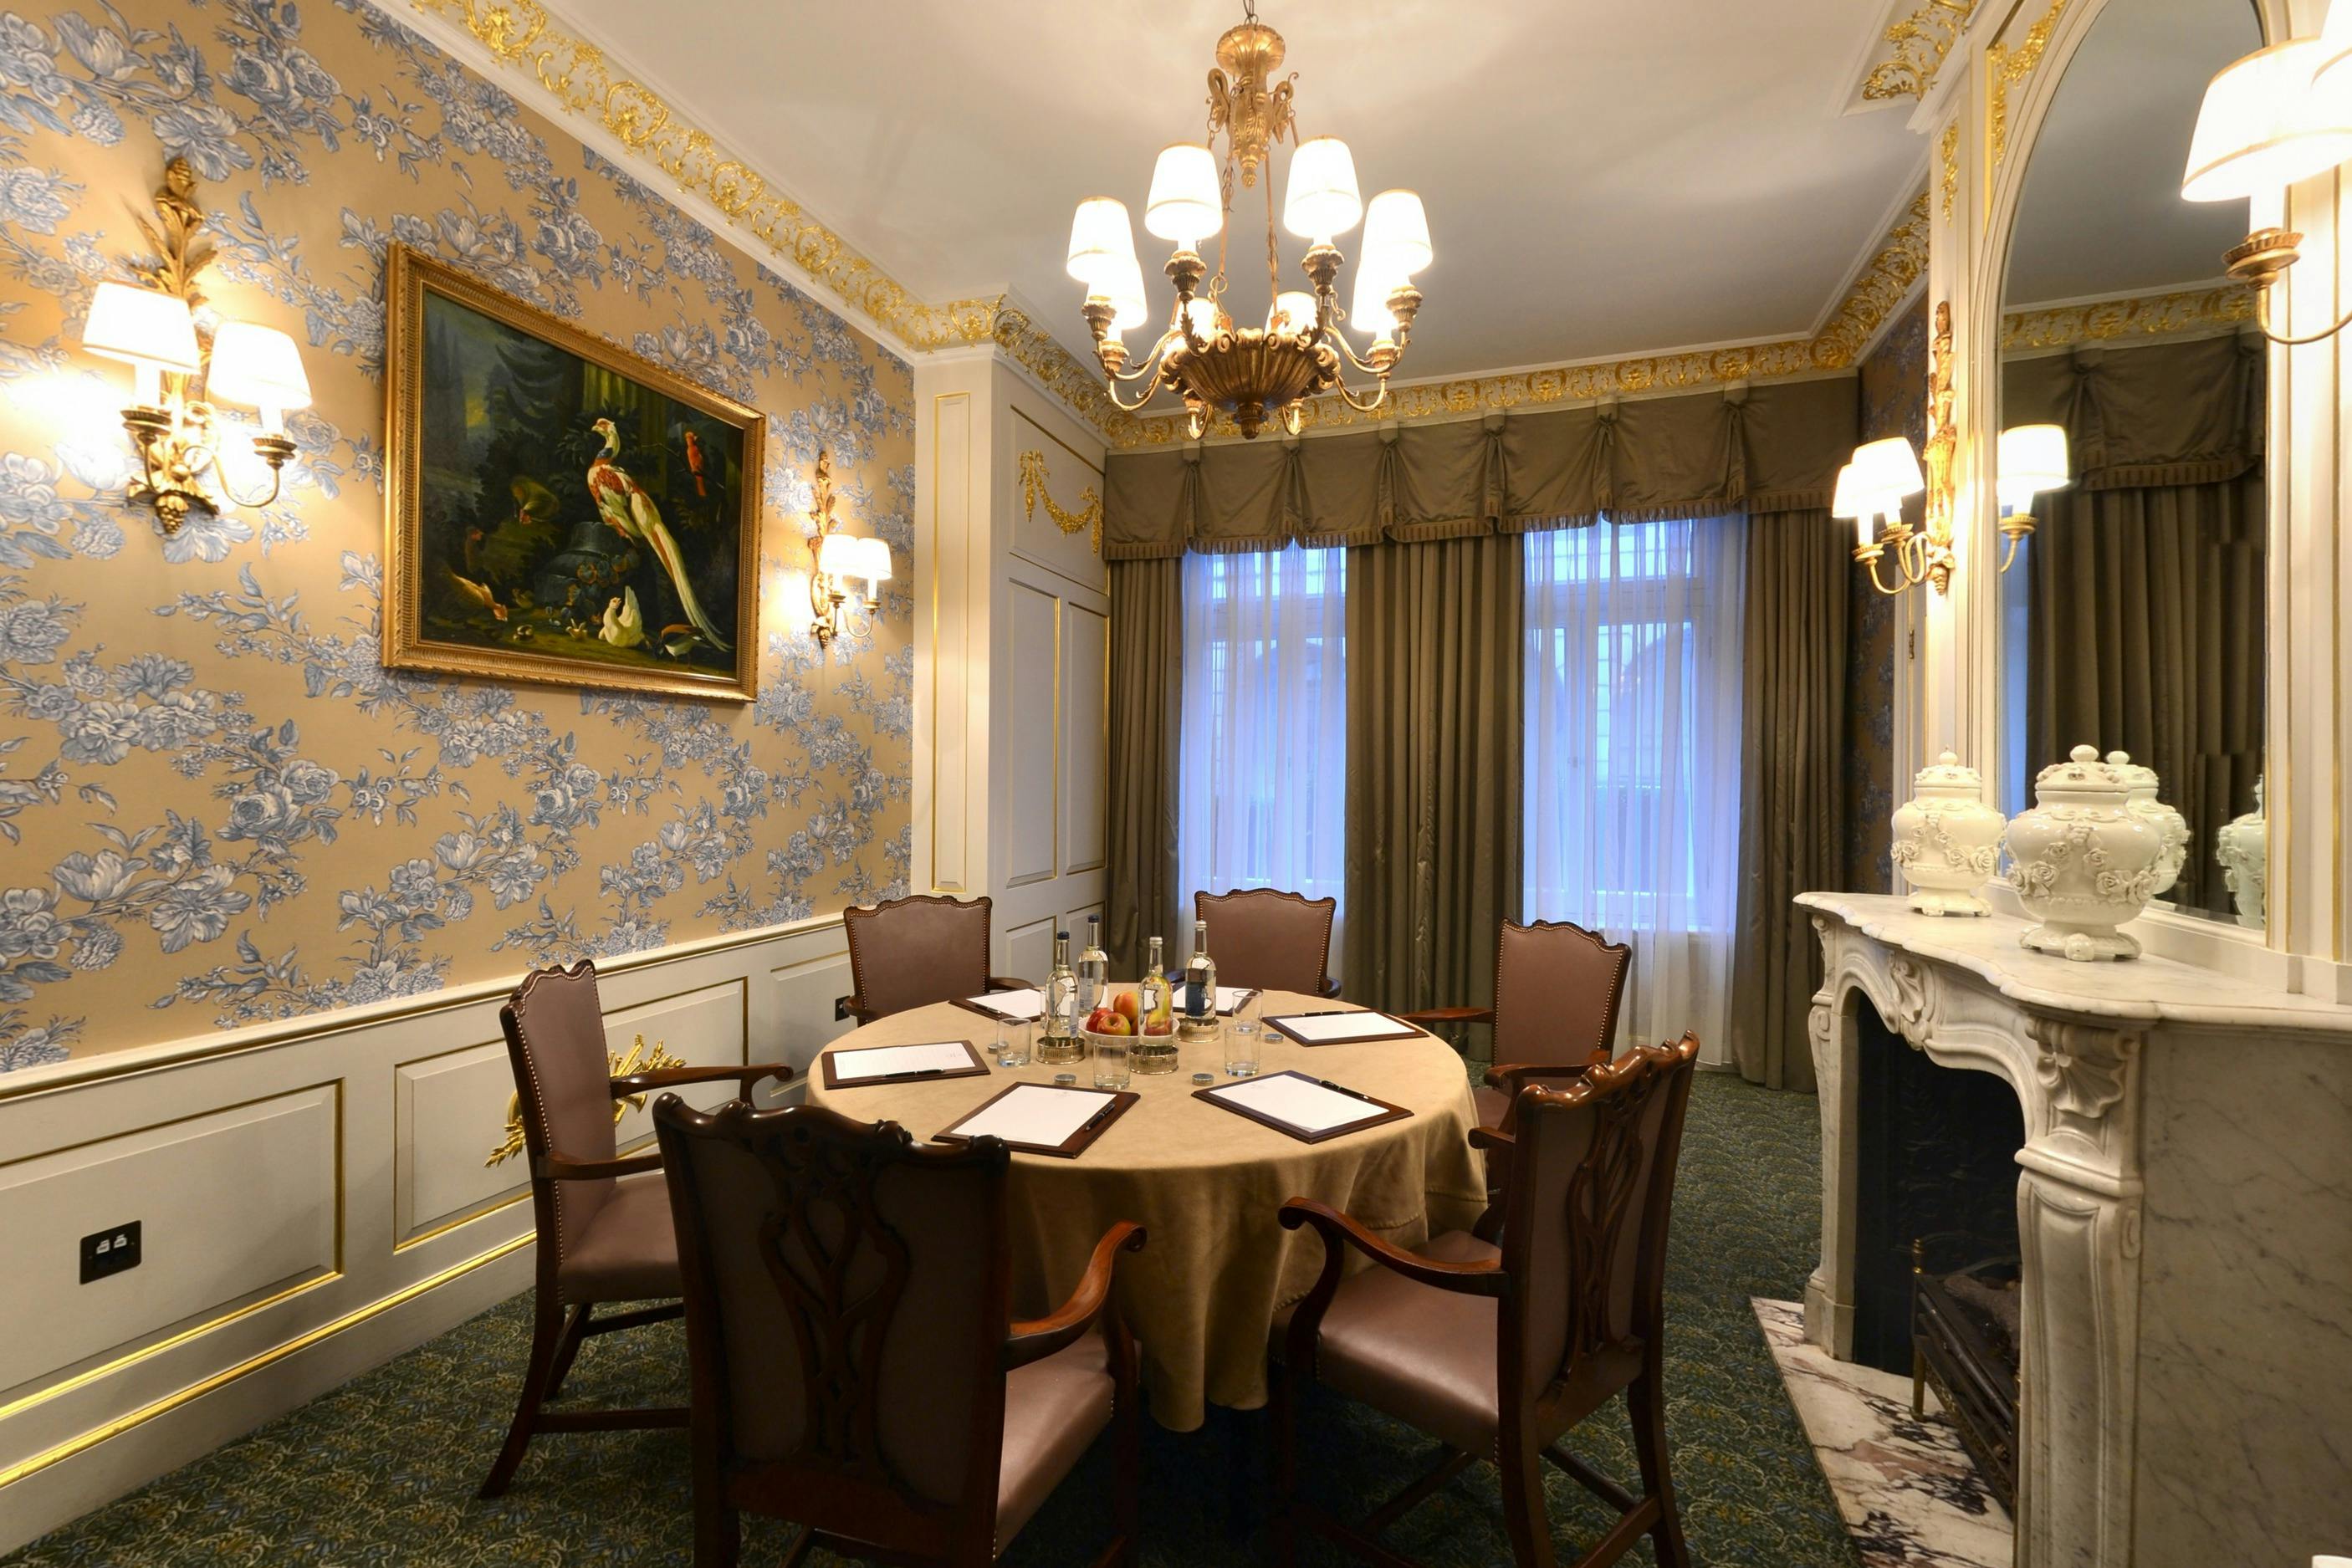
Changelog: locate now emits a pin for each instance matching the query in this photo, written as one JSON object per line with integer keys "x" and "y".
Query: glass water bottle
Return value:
{"x": 1155, "y": 1044}
{"x": 1196, "y": 1007}
{"x": 1094, "y": 969}
{"x": 1058, "y": 1040}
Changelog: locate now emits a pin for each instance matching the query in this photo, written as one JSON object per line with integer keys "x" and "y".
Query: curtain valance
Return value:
{"x": 2155, "y": 414}
{"x": 1774, "y": 448}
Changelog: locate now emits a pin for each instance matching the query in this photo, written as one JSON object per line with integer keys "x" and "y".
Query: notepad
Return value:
{"x": 1042, "y": 1115}
{"x": 899, "y": 1060}
{"x": 1231, "y": 997}
{"x": 1017, "y": 1004}
{"x": 1317, "y": 1029}
{"x": 1299, "y": 1102}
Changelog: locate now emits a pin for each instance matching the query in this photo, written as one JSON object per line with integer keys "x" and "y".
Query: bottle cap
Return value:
{"x": 1066, "y": 1078}
{"x": 1061, "y": 936}
{"x": 1205, "y": 1078}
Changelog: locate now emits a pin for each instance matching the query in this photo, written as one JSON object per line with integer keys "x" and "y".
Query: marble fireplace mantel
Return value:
{"x": 2184, "y": 1208}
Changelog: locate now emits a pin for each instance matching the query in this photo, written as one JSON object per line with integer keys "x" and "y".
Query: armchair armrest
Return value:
{"x": 1010, "y": 983}
{"x": 559, "y": 1168}
{"x": 1329, "y": 988}
{"x": 669, "y": 1077}
{"x": 1339, "y": 1231}
{"x": 1493, "y": 1140}
{"x": 853, "y": 1007}
{"x": 1037, "y": 1338}
{"x": 1510, "y": 1077}
{"x": 1428, "y": 1016}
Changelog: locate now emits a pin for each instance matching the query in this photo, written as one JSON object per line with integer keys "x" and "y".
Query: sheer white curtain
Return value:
{"x": 1262, "y": 780}
{"x": 1633, "y": 756}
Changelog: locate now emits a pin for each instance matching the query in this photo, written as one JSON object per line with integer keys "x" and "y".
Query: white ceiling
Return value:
{"x": 1601, "y": 178}
{"x": 2101, "y": 212}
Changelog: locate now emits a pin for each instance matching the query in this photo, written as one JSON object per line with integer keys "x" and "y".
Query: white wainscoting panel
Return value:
{"x": 1032, "y": 701}
{"x": 447, "y": 1111}
{"x": 1072, "y": 481}
{"x": 1029, "y": 951}
{"x": 1085, "y": 674}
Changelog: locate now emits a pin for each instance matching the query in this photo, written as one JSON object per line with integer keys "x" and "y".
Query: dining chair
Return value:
{"x": 857, "y": 1368}
{"x": 1269, "y": 940}
{"x": 911, "y": 952}
{"x": 1501, "y": 1352}
{"x": 1558, "y": 988}
{"x": 604, "y": 1237}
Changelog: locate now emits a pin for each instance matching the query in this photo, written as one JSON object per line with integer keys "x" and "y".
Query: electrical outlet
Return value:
{"x": 840, "y": 1008}
{"x": 110, "y": 1251}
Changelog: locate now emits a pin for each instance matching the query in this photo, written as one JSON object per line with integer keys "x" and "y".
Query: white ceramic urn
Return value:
{"x": 2243, "y": 849}
{"x": 2171, "y": 825}
{"x": 2082, "y": 864}
{"x": 1947, "y": 840}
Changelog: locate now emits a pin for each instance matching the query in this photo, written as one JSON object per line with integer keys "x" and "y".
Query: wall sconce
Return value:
{"x": 839, "y": 558}
{"x": 2279, "y": 115}
{"x": 153, "y": 330}
{"x": 2032, "y": 461}
{"x": 1874, "y": 485}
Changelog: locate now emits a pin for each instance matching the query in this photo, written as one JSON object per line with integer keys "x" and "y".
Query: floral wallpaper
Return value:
{"x": 1894, "y": 391}
{"x": 217, "y": 806}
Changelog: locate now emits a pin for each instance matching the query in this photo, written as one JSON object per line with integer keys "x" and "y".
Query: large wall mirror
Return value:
{"x": 2131, "y": 403}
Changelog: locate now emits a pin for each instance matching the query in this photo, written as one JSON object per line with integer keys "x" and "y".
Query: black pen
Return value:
{"x": 1095, "y": 1120}
{"x": 1342, "y": 1089}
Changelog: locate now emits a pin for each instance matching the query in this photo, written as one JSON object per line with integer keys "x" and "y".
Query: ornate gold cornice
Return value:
{"x": 2147, "y": 316}
{"x": 1899, "y": 263}
{"x": 1921, "y": 40}
{"x": 2006, "y": 70}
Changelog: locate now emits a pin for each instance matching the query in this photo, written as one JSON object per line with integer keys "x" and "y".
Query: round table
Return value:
{"x": 1206, "y": 1183}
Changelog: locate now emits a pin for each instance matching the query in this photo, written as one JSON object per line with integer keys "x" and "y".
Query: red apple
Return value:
{"x": 1128, "y": 1006}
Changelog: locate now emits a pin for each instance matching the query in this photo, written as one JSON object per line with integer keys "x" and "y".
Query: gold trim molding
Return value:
{"x": 2147, "y": 316}
{"x": 1898, "y": 265}
{"x": 640, "y": 1059}
{"x": 1088, "y": 518}
{"x": 2006, "y": 69}
{"x": 1948, "y": 149}
{"x": 1921, "y": 41}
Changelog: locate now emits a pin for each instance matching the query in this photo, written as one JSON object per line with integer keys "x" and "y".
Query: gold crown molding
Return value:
{"x": 1899, "y": 264}
{"x": 2147, "y": 316}
{"x": 1921, "y": 42}
{"x": 2006, "y": 69}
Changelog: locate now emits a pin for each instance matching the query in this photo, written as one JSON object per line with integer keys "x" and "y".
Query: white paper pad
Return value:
{"x": 1300, "y": 1101}
{"x": 1026, "y": 1004}
{"x": 1036, "y": 1114}
{"x": 1230, "y": 997}
{"x": 885, "y": 1060}
{"x": 1315, "y": 1028}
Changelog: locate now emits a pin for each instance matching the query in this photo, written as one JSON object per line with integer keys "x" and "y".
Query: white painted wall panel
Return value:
{"x": 1086, "y": 665}
{"x": 447, "y": 1116}
{"x": 1031, "y": 704}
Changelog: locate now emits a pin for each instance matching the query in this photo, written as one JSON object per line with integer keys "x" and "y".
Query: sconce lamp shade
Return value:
{"x": 1845, "y": 502}
{"x": 2331, "y": 79}
{"x": 2033, "y": 459}
{"x": 259, "y": 366}
{"x": 873, "y": 559}
{"x": 1884, "y": 472}
{"x": 1187, "y": 203}
{"x": 1396, "y": 234}
{"x": 837, "y": 556}
{"x": 1102, "y": 245}
{"x": 1322, "y": 201}
{"x": 142, "y": 327}
{"x": 2262, "y": 126}
{"x": 1294, "y": 312}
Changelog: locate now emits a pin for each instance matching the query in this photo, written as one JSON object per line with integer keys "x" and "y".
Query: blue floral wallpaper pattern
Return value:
{"x": 1893, "y": 392}
{"x": 216, "y": 807}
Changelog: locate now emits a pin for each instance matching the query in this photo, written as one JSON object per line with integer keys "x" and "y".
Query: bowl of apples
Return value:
{"x": 1121, "y": 1024}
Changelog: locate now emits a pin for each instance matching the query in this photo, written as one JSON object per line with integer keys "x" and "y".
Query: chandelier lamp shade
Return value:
{"x": 1218, "y": 359}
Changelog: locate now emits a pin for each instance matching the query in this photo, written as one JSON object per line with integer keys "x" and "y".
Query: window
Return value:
{"x": 1262, "y": 796}
{"x": 1632, "y": 754}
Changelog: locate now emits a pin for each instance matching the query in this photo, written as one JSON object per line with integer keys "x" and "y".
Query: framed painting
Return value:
{"x": 559, "y": 509}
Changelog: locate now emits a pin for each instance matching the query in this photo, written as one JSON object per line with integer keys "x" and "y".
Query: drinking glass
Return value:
{"x": 1011, "y": 1047}
{"x": 1111, "y": 1060}
{"x": 1242, "y": 1059}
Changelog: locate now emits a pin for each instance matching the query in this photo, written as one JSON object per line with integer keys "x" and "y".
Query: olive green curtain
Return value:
{"x": 1792, "y": 789}
{"x": 1147, "y": 674}
{"x": 2145, "y": 633}
{"x": 1435, "y": 699}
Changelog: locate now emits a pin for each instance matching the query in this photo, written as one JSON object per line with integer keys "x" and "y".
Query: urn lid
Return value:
{"x": 2083, "y": 772}
{"x": 1948, "y": 771}
{"x": 2137, "y": 775}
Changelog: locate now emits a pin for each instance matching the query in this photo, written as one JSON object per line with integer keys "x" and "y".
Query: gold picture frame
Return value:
{"x": 559, "y": 509}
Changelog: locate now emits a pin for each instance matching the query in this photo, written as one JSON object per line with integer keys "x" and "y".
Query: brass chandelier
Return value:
{"x": 1204, "y": 353}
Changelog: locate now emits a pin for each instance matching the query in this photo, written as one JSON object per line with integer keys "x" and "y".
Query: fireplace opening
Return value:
{"x": 1936, "y": 1269}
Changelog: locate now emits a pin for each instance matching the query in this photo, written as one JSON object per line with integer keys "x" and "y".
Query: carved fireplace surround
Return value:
{"x": 2184, "y": 1207}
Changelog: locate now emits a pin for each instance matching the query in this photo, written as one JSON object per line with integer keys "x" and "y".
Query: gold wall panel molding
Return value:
{"x": 2006, "y": 70}
{"x": 1948, "y": 151}
{"x": 1899, "y": 264}
{"x": 1921, "y": 41}
{"x": 638, "y": 1059}
{"x": 2201, "y": 310}
{"x": 1086, "y": 519}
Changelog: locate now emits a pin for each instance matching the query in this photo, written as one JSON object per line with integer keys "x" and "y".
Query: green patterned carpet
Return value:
{"x": 380, "y": 1473}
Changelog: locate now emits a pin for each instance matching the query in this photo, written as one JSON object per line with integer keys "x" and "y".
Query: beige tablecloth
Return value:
{"x": 1206, "y": 1183}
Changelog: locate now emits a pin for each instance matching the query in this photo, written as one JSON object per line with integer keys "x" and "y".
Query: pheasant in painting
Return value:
{"x": 628, "y": 511}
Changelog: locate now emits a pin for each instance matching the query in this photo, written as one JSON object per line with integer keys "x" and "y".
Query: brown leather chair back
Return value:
{"x": 1266, "y": 938}
{"x": 1557, "y": 990}
{"x": 554, "y": 1025}
{"x": 912, "y": 951}
{"x": 846, "y": 1308}
{"x": 1585, "y": 1237}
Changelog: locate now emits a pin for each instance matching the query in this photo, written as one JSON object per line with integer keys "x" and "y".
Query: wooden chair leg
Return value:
{"x": 1127, "y": 1486}
{"x": 1523, "y": 1513}
{"x": 1645, "y": 1403}
{"x": 575, "y": 1331}
{"x": 1282, "y": 1399}
{"x": 546, "y": 1338}
{"x": 718, "y": 1537}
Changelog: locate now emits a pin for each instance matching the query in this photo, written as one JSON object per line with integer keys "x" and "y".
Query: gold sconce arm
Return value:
{"x": 2016, "y": 528}
{"x": 2262, "y": 259}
